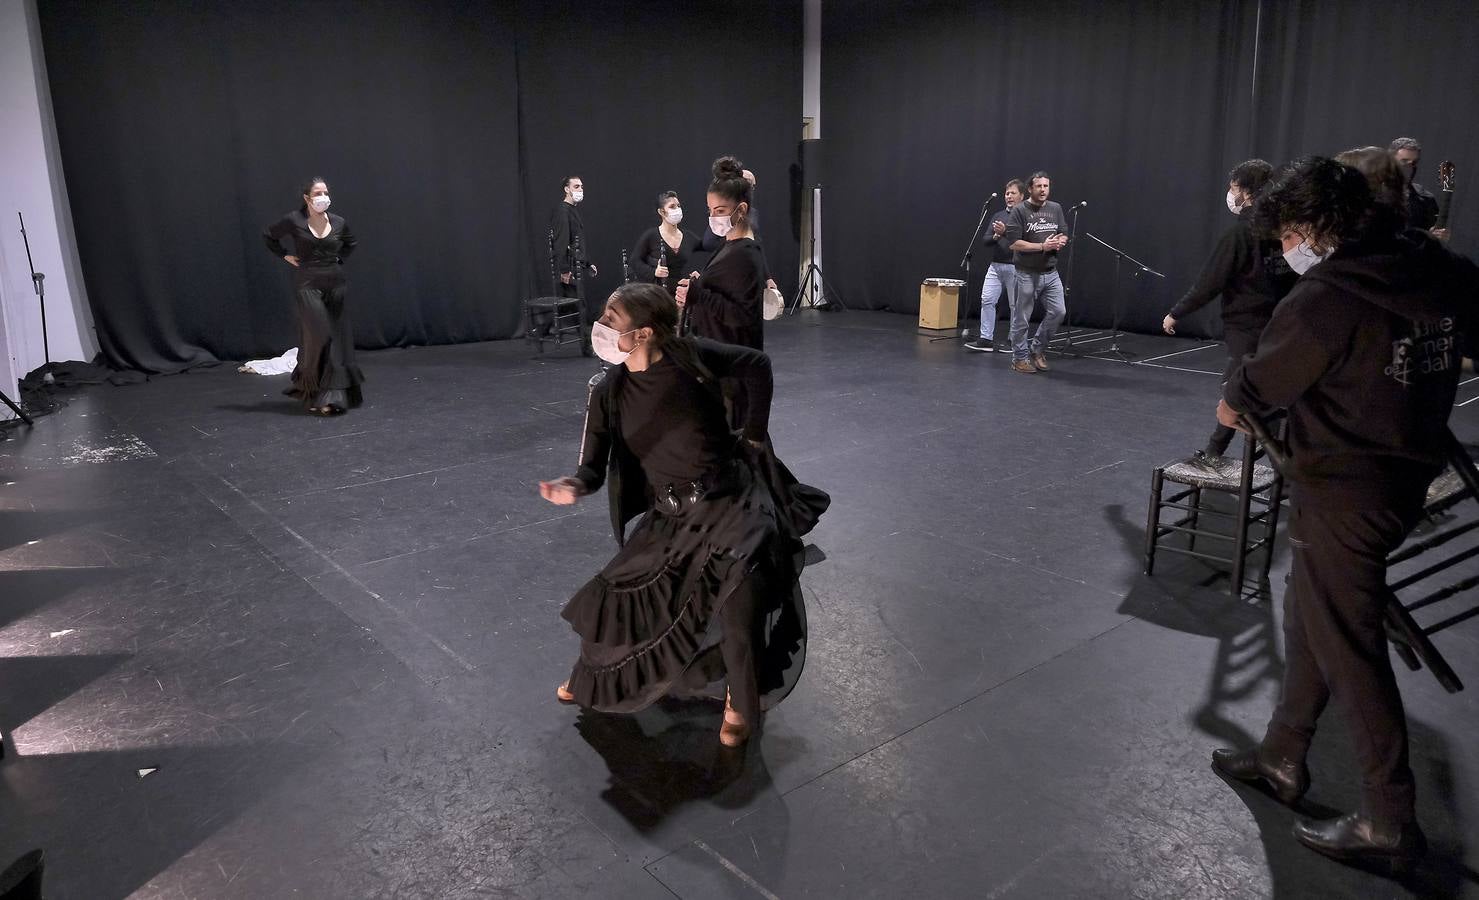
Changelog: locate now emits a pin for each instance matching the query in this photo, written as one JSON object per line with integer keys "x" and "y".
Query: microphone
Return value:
{"x": 1082, "y": 204}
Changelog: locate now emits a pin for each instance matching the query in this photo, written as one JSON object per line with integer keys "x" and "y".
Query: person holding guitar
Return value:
{"x": 1423, "y": 209}
{"x": 662, "y": 254}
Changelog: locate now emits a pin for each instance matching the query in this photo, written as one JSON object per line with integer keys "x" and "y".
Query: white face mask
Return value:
{"x": 320, "y": 203}
{"x": 606, "y": 341}
{"x": 1233, "y": 206}
{"x": 721, "y": 225}
{"x": 1301, "y": 259}
{"x": 674, "y": 216}
{"x": 577, "y": 195}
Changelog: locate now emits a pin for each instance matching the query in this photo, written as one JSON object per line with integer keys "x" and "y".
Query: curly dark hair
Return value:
{"x": 1251, "y": 175}
{"x": 1330, "y": 202}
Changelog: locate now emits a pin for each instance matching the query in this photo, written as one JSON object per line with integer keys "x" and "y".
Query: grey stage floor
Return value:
{"x": 335, "y": 644}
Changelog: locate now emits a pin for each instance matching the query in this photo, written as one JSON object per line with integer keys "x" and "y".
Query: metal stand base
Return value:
{"x": 16, "y": 409}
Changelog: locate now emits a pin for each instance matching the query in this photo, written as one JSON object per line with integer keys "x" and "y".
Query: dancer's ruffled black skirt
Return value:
{"x": 650, "y": 621}
{"x": 327, "y": 374}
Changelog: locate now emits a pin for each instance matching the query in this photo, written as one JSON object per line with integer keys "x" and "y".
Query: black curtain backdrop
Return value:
{"x": 1139, "y": 108}
{"x": 443, "y": 129}
{"x": 637, "y": 99}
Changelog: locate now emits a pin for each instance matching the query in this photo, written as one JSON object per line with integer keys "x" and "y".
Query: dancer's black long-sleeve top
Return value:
{"x": 569, "y": 229}
{"x": 1250, "y": 275}
{"x": 651, "y": 247}
{"x": 319, "y": 258}
{"x": 725, "y": 303}
{"x": 667, "y": 424}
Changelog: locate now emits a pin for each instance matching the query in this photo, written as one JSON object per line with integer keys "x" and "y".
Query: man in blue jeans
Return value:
{"x": 1001, "y": 277}
{"x": 1036, "y": 231}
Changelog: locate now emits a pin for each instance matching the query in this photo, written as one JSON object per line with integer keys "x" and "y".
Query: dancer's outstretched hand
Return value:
{"x": 562, "y": 491}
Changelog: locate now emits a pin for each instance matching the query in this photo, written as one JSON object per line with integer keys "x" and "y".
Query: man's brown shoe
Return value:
{"x": 1040, "y": 362}
{"x": 1023, "y": 366}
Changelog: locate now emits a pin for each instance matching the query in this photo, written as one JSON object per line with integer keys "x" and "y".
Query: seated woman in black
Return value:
{"x": 315, "y": 243}
{"x": 662, "y": 254}
{"x": 724, "y": 303}
{"x": 707, "y": 585}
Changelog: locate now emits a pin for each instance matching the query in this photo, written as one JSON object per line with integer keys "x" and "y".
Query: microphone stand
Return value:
{"x": 1114, "y": 304}
{"x": 38, "y": 282}
{"x": 965, "y": 263}
{"x": 1068, "y": 348}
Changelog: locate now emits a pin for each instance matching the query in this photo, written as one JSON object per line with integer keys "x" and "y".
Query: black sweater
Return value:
{"x": 651, "y": 247}
{"x": 1365, "y": 354}
{"x": 319, "y": 259}
{"x": 1250, "y": 275}
{"x": 725, "y": 302}
{"x": 1001, "y": 247}
{"x": 695, "y": 370}
{"x": 569, "y": 232}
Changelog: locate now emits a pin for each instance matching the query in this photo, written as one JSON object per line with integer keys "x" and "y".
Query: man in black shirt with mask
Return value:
{"x": 1250, "y": 275}
{"x": 570, "y": 250}
{"x": 1364, "y": 353}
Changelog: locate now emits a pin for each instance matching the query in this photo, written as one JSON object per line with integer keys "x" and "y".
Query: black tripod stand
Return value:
{"x": 1120, "y": 257}
{"x": 813, "y": 279}
{"x": 965, "y": 263}
{"x": 38, "y": 281}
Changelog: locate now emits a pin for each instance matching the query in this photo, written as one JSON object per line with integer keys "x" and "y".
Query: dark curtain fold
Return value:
{"x": 1140, "y": 108}
{"x": 443, "y": 129}
{"x": 639, "y": 98}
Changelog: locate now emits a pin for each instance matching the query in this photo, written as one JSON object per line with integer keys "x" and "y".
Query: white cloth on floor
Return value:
{"x": 280, "y": 365}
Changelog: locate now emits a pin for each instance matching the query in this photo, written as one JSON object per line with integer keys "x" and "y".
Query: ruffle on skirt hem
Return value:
{"x": 650, "y": 622}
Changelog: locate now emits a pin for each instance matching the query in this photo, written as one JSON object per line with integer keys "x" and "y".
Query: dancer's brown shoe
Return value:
{"x": 735, "y": 730}
{"x": 562, "y": 693}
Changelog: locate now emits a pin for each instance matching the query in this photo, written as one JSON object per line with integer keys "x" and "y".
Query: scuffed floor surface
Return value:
{"x": 246, "y": 653}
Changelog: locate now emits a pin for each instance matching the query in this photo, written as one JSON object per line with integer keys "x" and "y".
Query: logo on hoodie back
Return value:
{"x": 1429, "y": 349}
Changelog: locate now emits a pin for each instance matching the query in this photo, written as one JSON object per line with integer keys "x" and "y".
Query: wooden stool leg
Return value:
{"x": 1153, "y": 521}
{"x": 1194, "y": 517}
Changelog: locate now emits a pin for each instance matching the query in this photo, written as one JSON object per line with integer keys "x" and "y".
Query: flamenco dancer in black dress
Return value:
{"x": 315, "y": 243}
{"x": 706, "y": 588}
{"x": 662, "y": 254}
{"x": 725, "y": 302}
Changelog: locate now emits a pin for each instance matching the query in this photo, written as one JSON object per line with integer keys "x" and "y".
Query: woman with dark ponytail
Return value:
{"x": 706, "y": 587}
{"x": 725, "y": 302}
{"x": 315, "y": 243}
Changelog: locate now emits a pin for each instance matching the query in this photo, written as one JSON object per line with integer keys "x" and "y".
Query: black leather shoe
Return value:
{"x": 1287, "y": 778}
{"x": 1356, "y": 839}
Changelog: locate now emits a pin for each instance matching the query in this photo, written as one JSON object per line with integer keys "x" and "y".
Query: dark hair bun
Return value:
{"x": 727, "y": 167}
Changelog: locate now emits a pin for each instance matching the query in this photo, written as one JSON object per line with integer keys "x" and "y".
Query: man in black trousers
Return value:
{"x": 572, "y": 257}
{"x": 1364, "y": 354}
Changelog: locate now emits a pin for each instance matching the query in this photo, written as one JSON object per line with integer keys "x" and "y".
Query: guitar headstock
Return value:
{"x": 1445, "y": 175}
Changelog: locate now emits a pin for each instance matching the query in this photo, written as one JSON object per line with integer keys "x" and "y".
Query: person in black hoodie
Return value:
{"x": 706, "y": 587}
{"x": 1251, "y": 276}
{"x": 1364, "y": 354}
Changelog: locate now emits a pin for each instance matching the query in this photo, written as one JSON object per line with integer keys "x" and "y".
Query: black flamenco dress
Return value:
{"x": 706, "y": 587}
{"x": 326, "y": 374}
{"x": 652, "y": 248}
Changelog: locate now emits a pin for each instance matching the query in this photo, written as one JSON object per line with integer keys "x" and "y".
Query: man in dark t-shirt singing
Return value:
{"x": 1036, "y": 230}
